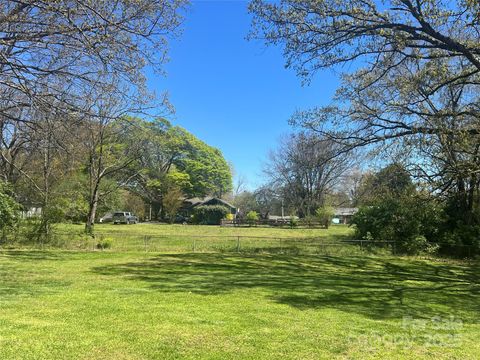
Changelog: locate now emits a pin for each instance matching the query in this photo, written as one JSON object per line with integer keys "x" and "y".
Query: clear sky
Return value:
{"x": 232, "y": 93}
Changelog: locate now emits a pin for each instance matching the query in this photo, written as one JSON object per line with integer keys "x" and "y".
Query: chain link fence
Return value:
{"x": 201, "y": 243}
{"x": 124, "y": 242}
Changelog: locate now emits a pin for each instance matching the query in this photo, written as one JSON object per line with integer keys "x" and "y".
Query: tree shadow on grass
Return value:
{"x": 23, "y": 275}
{"x": 31, "y": 255}
{"x": 380, "y": 288}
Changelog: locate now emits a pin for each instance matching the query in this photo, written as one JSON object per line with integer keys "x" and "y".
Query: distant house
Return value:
{"x": 189, "y": 204}
{"x": 31, "y": 211}
{"x": 344, "y": 215}
{"x": 282, "y": 218}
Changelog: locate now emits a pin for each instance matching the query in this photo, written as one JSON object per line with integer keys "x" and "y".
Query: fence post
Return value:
{"x": 238, "y": 243}
{"x": 361, "y": 244}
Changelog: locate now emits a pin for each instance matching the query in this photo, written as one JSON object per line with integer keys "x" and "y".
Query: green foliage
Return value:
{"x": 133, "y": 203}
{"x": 391, "y": 181}
{"x": 252, "y": 217}
{"x": 70, "y": 200}
{"x": 397, "y": 212}
{"x": 178, "y": 179}
{"x": 293, "y": 222}
{"x": 207, "y": 168}
{"x": 461, "y": 240}
{"x": 173, "y": 157}
{"x": 209, "y": 214}
{"x": 172, "y": 202}
{"x": 104, "y": 244}
{"x": 325, "y": 215}
{"x": 309, "y": 220}
{"x": 404, "y": 220}
{"x": 8, "y": 207}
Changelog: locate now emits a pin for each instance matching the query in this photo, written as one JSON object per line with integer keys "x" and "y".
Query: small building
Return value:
{"x": 344, "y": 215}
{"x": 31, "y": 211}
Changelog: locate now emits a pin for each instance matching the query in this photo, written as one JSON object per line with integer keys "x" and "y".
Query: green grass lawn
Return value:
{"x": 198, "y": 238}
{"x": 125, "y": 305}
{"x": 207, "y": 230}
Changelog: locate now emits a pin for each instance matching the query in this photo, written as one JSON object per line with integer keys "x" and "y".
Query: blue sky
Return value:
{"x": 232, "y": 93}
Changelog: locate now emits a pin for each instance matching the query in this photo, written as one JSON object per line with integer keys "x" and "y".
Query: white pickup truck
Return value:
{"x": 124, "y": 217}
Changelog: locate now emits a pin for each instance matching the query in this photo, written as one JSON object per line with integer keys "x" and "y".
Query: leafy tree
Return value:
{"x": 71, "y": 199}
{"x": 397, "y": 212}
{"x": 133, "y": 203}
{"x": 325, "y": 215}
{"x": 172, "y": 202}
{"x": 172, "y": 156}
{"x": 414, "y": 96}
{"x": 111, "y": 151}
{"x": 8, "y": 208}
{"x": 252, "y": 217}
{"x": 391, "y": 181}
{"x": 408, "y": 220}
{"x": 209, "y": 172}
{"x": 68, "y": 57}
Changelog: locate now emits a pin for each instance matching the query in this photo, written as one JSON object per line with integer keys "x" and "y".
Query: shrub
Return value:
{"x": 325, "y": 215}
{"x": 105, "y": 244}
{"x": 252, "y": 217}
{"x": 309, "y": 220}
{"x": 8, "y": 209}
{"x": 293, "y": 221}
{"x": 229, "y": 217}
{"x": 461, "y": 240}
{"x": 407, "y": 221}
{"x": 209, "y": 214}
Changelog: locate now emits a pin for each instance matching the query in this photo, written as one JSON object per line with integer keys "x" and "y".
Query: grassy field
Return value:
{"x": 198, "y": 238}
{"x": 176, "y": 304}
{"x": 109, "y": 305}
{"x": 205, "y": 230}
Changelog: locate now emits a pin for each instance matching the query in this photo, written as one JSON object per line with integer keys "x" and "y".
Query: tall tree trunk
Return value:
{"x": 92, "y": 212}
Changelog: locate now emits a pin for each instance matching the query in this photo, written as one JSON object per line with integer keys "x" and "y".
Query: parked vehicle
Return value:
{"x": 124, "y": 217}
{"x": 108, "y": 217}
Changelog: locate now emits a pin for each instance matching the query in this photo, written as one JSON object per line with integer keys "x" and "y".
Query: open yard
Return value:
{"x": 135, "y": 305}
{"x": 156, "y": 229}
{"x": 197, "y": 238}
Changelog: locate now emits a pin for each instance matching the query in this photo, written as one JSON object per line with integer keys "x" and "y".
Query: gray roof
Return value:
{"x": 200, "y": 201}
{"x": 345, "y": 211}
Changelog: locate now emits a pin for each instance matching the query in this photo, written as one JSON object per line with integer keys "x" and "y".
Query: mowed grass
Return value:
{"x": 200, "y": 238}
{"x": 335, "y": 231}
{"x": 124, "y": 305}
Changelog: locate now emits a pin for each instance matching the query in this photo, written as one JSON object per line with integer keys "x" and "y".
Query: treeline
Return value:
{"x": 390, "y": 204}
{"x": 409, "y": 94}
{"x": 72, "y": 95}
{"x": 78, "y": 170}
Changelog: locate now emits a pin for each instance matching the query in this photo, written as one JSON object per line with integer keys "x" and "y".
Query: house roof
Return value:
{"x": 203, "y": 201}
{"x": 345, "y": 211}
